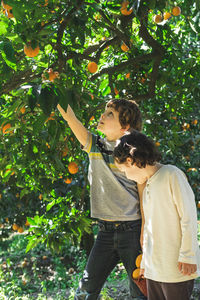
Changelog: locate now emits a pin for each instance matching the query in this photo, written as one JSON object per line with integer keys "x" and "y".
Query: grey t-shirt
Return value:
{"x": 112, "y": 196}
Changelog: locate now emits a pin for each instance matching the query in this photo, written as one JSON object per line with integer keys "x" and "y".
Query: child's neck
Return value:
{"x": 151, "y": 170}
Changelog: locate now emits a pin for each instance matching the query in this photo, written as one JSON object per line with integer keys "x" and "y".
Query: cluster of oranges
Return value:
{"x": 7, "y": 10}
{"x": 136, "y": 272}
{"x": 50, "y": 75}
{"x": 31, "y": 52}
{"x": 18, "y": 228}
{"x": 176, "y": 11}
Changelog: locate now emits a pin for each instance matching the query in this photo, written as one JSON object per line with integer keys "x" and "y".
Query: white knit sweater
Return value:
{"x": 170, "y": 230}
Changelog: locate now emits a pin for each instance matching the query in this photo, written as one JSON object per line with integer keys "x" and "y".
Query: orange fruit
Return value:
{"x": 92, "y": 118}
{"x": 157, "y": 19}
{"x": 45, "y": 4}
{"x": 6, "y": 6}
{"x": 65, "y": 151}
{"x": 138, "y": 260}
{"x": 92, "y": 67}
{"x": 44, "y": 257}
{"x": 92, "y": 96}
{"x": 5, "y": 128}
{"x": 73, "y": 168}
{"x": 157, "y": 144}
{"x": 68, "y": 180}
{"x": 23, "y": 110}
{"x": 20, "y": 230}
{"x": 52, "y": 75}
{"x": 8, "y": 14}
{"x": 195, "y": 122}
{"x": 124, "y": 47}
{"x": 15, "y": 226}
{"x": 27, "y": 223}
{"x": 167, "y": 15}
{"x": 176, "y": 11}
{"x": 7, "y": 220}
{"x": 124, "y": 10}
{"x": 198, "y": 204}
{"x": 136, "y": 273}
{"x": 128, "y": 75}
{"x": 40, "y": 197}
{"x": 30, "y": 52}
{"x": 192, "y": 169}
{"x": 116, "y": 91}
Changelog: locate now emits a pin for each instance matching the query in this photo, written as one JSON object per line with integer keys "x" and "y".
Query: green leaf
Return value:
{"x": 48, "y": 100}
{"x": 33, "y": 242}
{"x": 3, "y": 28}
{"x": 50, "y": 205}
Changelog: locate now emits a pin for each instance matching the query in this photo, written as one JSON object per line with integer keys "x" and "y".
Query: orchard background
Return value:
{"x": 137, "y": 51}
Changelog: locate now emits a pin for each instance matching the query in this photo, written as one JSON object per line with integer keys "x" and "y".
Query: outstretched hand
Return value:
{"x": 187, "y": 269}
{"x": 62, "y": 111}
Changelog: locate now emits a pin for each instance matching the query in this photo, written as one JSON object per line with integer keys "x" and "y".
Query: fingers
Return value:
{"x": 187, "y": 269}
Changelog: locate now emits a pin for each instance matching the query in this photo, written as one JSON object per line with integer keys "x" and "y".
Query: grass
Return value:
{"x": 40, "y": 275}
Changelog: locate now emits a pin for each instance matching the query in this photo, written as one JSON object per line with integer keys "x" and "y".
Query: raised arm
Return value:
{"x": 76, "y": 126}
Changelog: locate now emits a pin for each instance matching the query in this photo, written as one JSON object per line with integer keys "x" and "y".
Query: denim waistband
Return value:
{"x": 118, "y": 225}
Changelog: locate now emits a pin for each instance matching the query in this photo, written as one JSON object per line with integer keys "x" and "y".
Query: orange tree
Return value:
{"x": 82, "y": 53}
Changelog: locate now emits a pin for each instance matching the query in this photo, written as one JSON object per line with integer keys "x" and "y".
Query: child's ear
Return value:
{"x": 129, "y": 161}
{"x": 126, "y": 128}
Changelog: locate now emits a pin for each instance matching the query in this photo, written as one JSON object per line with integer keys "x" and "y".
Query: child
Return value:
{"x": 171, "y": 258}
{"x": 114, "y": 198}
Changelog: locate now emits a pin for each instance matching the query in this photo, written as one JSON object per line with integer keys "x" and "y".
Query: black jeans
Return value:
{"x": 116, "y": 241}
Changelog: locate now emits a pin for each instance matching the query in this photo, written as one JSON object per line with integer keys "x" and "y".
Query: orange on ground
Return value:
{"x": 15, "y": 226}
{"x": 116, "y": 91}
{"x": 136, "y": 273}
{"x": 20, "y": 230}
{"x": 6, "y": 6}
{"x": 92, "y": 67}
{"x": 73, "y": 168}
{"x": 30, "y": 52}
{"x": 176, "y": 11}
{"x": 138, "y": 260}
{"x": 124, "y": 47}
{"x": 68, "y": 180}
{"x": 157, "y": 19}
{"x": 167, "y": 15}
{"x": 128, "y": 75}
{"x": 5, "y": 128}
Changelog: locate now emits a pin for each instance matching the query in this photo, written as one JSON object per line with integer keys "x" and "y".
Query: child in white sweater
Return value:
{"x": 171, "y": 257}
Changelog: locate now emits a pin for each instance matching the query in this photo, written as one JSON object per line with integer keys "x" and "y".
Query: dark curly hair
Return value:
{"x": 138, "y": 147}
{"x": 129, "y": 113}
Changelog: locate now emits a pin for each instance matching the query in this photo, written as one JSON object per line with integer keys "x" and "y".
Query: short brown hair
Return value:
{"x": 129, "y": 113}
{"x": 138, "y": 147}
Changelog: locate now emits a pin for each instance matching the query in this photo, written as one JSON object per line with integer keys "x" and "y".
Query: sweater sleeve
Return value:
{"x": 183, "y": 197}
